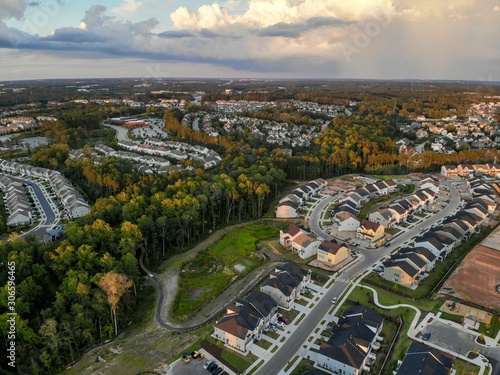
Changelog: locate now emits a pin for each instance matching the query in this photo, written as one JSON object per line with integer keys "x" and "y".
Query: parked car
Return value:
{"x": 197, "y": 355}
{"x": 426, "y": 336}
{"x": 212, "y": 367}
{"x": 205, "y": 366}
{"x": 334, "y": 299}
{"x": 280, "y": 324}
{"x": 185, "y": 358}
{"x": 274, "y": 327}
{"x": 217, "y": 371}
{"x": 284, "y": 320}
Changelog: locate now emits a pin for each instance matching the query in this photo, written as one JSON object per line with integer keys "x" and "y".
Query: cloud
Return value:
{"x": 128, "y": 8}
{"x": 295, "y": 30}
{"x": 279, "y": 36}
{"x": 12, "y": 9}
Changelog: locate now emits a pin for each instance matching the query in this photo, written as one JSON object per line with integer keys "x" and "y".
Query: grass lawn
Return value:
{"x": 492, "y": 329}
{"x": 392, "y": 231}
{"x": 211, "y": 271}
{"x": 388, "y": 298}
{"x": 264, "y": 344}
{"x": 454, "y": 318}
{"x": 240, "y": 362}
{"x": 302, "y": 367}
{"x": 463, "y": 367}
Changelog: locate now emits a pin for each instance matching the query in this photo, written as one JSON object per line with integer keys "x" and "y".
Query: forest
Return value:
{"x": 81, "y": 290}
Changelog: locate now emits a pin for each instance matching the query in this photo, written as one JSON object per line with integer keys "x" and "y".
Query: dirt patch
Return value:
{"x": 476, "y": 278}
{"x": 240, "y": 268}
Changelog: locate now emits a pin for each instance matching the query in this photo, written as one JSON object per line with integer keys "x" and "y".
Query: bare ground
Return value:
{"x": 476, "y": 278}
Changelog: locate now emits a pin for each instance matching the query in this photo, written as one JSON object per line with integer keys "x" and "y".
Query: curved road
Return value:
{"x": 296, "y": 340}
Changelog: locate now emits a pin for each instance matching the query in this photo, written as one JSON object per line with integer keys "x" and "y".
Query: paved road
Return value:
{"x": 459, "y": 341}
{"x": 371, "y": 256}
{"x": 121, "y": 132}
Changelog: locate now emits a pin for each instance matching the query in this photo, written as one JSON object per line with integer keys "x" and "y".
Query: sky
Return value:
{"x": 323, "y": 39}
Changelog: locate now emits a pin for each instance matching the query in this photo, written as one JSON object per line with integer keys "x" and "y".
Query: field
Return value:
{"x": 207, "y": 275}
{"x": 476, "y": 278}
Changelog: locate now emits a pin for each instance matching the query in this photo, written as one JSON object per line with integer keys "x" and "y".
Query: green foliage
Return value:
{"x": 212, "y": 270}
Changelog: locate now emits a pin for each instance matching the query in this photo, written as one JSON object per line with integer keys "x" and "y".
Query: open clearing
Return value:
{"x": 476, "y": 278}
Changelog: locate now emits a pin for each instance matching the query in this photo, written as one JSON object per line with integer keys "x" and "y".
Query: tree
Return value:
{"x": 115, "y": 285}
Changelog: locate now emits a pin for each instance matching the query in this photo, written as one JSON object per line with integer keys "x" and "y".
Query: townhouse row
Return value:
{"x": 16, "y": 202}
{"x": 399, "y": 210}
{"x": 412, "y": 264}
{"x": 74, "y": 204}
{"x": 467, "y": 170}
{"x": 291, "y": 204}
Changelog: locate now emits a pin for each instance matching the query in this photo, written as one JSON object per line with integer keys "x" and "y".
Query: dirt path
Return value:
{"x": 167, "y": 283}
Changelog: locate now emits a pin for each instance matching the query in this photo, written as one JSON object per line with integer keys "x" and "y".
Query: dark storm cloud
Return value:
{"x": 295, "y": 30}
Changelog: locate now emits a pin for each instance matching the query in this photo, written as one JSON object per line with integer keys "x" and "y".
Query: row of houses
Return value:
{"x": 247, "y": 319}
{"x": 344, "y": 215}
{"x": 468, "y": 170}
{"x": 175, "y": 150}
{"x": 290, "y": 205}
{"x": 74, "y": 204}
{"x": 152, "y": 161}
{"x": 16, "y": 202}
{"x": 411, "y": 265}
{"x": 400, "y": 209}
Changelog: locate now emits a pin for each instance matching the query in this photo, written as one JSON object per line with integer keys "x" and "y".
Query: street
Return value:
{"x": 371, "y": 256}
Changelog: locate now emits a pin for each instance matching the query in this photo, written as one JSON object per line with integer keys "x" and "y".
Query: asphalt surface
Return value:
{"x": 461, "y": 342}
{"x": 369, "y": 258}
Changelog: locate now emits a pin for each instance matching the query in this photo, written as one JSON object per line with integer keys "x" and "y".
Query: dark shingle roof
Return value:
{"x": 422, "y": 359}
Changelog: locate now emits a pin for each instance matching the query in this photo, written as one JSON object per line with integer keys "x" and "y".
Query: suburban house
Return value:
{"x": 430, "y": 183}
{"x": 385, "y": 217}
{"x": 486, "y": 203}
{"x": 286, "y": 283}
{"x": 364, "y": 194}
{"x": 370, "y": 230}
{"x": 422, "y": 359}
{"x": 287, "y": 209}
{"x": 433, "y": 244}
{"x": 245, "y": 320}
{"x": 332, "y": 253}
{"x": 352, "y": 342}
{"x": 449, "y": 171}
{"x": 402, "y": 272}
{"x": 344, "y": 221}
{"x": 305, "y": 245}
{"x": 459, "y": 225}
{"x": 287, "y": 235}
{"x": 451, "y": 233}
{"x": 465, "y": 170}
{"x": 424, "y": 253}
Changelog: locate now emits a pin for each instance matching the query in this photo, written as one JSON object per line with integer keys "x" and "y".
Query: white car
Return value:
{"x": 281, "y": 324}
{"x": 334, "y": 299}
